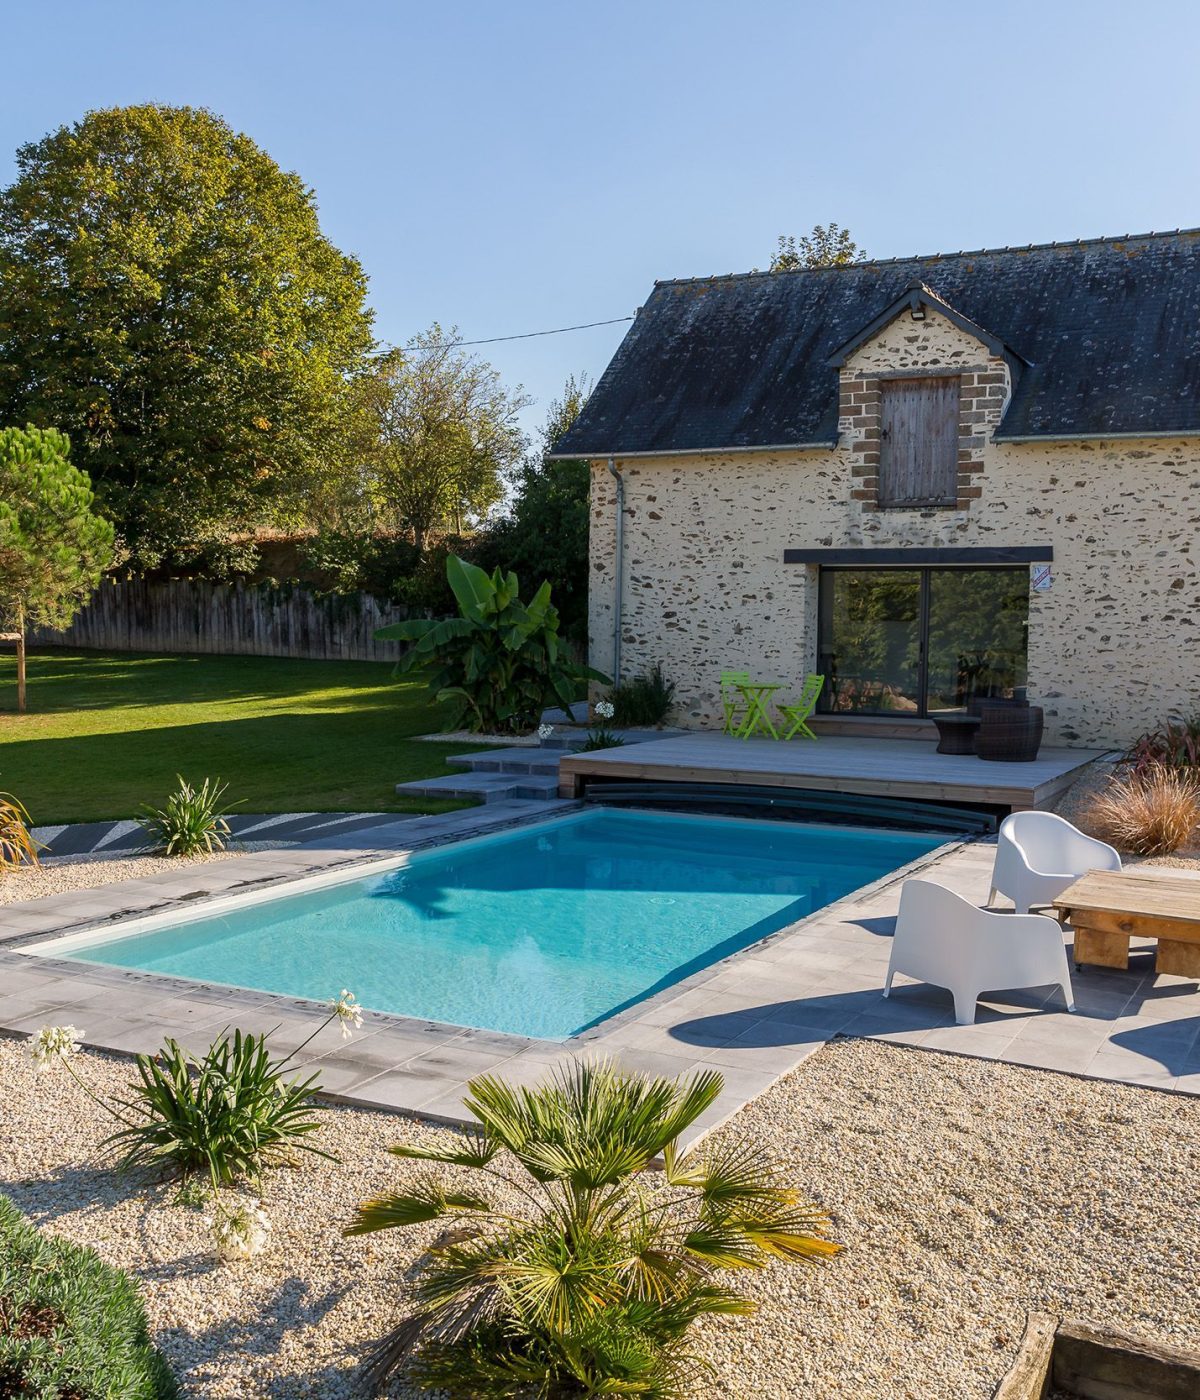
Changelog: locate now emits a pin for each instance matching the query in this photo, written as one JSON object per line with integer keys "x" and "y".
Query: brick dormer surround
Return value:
{"x": 912, "y": 348}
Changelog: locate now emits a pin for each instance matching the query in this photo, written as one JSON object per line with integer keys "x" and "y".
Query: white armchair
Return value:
{"x": 944, "y": 939}
{"x": 1039, "y": 854}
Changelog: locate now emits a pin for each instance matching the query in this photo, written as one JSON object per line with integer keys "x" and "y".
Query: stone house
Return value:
{"x": 925, "y": 478}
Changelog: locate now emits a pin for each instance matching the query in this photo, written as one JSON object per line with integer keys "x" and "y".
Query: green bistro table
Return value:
{"x": 758, "y": 719}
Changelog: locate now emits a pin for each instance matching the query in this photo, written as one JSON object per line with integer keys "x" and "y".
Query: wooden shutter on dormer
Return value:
{"x": 918, "y": 442}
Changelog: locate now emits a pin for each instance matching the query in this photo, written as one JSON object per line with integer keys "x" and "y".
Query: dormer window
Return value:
{"x": 918, "y": 442}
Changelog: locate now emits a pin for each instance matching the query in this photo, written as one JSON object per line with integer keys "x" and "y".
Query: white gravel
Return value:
{"x": 66, "y": 873}
{"x": 965, "y": 1192}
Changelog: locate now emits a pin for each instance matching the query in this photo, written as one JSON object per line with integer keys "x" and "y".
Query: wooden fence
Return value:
{"x": 193, "y": 615}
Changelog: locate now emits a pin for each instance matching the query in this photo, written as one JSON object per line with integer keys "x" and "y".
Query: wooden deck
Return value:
{"x": 903, "y": 768}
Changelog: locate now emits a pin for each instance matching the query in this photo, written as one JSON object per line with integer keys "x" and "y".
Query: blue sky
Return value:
{"x": 510, "y": 167}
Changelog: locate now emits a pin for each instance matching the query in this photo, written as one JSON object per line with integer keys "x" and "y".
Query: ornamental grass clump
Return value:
{"x": 193, "y": 822}
{"x": 644, "y": 701}
{"x": 586, "y": 1278}
{"x": 17, "y": 843}
{"x": 1153, "y": 811}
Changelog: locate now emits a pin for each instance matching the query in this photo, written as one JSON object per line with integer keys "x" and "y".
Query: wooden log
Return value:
{"x": 1102, "y": 1363}
{"x": 1178, "y": 957}
{"x": 1100, "y": 948}
{"x": 1027, "y": 1377}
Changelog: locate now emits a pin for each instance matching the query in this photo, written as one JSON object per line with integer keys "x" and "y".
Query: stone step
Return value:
{"x": 485, "y": 787}
{"x": 534, "y": 785}
{"x": 516, "y": 760}
{"x": 575, "y": 740}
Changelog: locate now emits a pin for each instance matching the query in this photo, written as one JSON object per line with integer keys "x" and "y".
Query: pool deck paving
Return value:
{"x": 753, "y": 1016}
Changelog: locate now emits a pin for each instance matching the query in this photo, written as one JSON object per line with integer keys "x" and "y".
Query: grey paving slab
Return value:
{"x": 753, "y": 1016}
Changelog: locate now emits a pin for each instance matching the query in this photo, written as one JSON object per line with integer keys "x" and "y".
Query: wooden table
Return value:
{"x": 1107, "y": 908}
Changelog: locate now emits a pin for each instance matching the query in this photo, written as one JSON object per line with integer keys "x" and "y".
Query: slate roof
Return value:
{"x": 1105, "y": 337}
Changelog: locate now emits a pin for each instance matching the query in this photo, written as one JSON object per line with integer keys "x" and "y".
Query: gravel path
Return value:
{"x": 966, "y": 1192}
{"x": 87, "y": 872}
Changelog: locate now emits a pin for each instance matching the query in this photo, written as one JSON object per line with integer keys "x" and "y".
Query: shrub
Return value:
{"x": 71, "y": 1326}
{"x": 589, "y": 1283}
{"x": 382, "y": 565}
{"x": 602, "y": 736}
{"x": 645, "y": 700}
{"x": 601, "y": 739}
{"x": 17, "y": 845}
{"x": 499, "y": 663}
{"x": 192, "y": 821}
{"x": 1175, "y": 745}
{"x": 1151, "y": 812}
{"x": 228, "y": 1114}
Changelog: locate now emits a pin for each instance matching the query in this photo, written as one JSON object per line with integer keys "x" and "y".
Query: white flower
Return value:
{"x": 604, "y": 708}
{"x": 545, "y": 731}
{"x": 240, "y": 1233}
{"x": 348, "y": 1012}
{"x": 52, "y": 1044}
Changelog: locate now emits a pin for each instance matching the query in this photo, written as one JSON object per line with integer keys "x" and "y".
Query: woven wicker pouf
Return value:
{"x": 1009, "y": 733}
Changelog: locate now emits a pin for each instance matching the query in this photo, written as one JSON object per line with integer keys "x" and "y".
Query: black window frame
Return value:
{"x": 926, "y": 571}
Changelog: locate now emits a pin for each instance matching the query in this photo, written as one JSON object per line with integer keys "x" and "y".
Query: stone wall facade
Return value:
{"x": 1114, "y": 646}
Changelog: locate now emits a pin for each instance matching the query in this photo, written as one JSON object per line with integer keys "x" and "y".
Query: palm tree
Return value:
{"x": 589, "y": 1284}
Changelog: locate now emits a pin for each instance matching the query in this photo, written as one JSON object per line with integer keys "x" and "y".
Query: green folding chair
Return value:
{"x": 797, "y": 714}
{"x": 733, "y": 702}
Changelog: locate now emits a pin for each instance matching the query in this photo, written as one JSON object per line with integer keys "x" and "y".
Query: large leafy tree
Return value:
{"x": 167, "y": 296}
{"x": 447, "y": 434}
{"x": 546, "y": 534}
{"x": 828, "y": 245}
{"x": 53, "y": 547}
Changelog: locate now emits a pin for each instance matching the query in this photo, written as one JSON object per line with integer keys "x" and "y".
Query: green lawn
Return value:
{"x": 106, "y": 732}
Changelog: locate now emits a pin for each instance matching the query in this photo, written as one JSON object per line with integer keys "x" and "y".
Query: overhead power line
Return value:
{"x": 529, "y": 335}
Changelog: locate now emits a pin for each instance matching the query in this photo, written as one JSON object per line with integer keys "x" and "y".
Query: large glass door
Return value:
{"x": 871, "y": 640}
{"x": 916, "y": 641}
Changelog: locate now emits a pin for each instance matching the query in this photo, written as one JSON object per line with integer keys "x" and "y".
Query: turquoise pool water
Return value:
{"x": 540, "y": 931}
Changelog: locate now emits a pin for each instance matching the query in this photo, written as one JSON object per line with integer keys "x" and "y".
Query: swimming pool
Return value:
{"x": 538, "y": 931}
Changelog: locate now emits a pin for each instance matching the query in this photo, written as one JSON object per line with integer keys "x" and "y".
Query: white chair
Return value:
{"x": 942, "y": 938}
{"x": 1039, "y": 854}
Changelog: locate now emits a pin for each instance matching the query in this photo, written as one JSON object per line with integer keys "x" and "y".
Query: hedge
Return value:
{"x": 71, "y": 1326}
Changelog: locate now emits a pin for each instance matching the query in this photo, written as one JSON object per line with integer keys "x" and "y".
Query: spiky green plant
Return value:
{"x": 588, "y": 1284}
{"x": 227, "y": 1115}
{"x": 193, "y": 820}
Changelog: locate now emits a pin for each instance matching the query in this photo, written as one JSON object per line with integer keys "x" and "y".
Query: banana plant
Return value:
{"x": 499, "y": 662}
